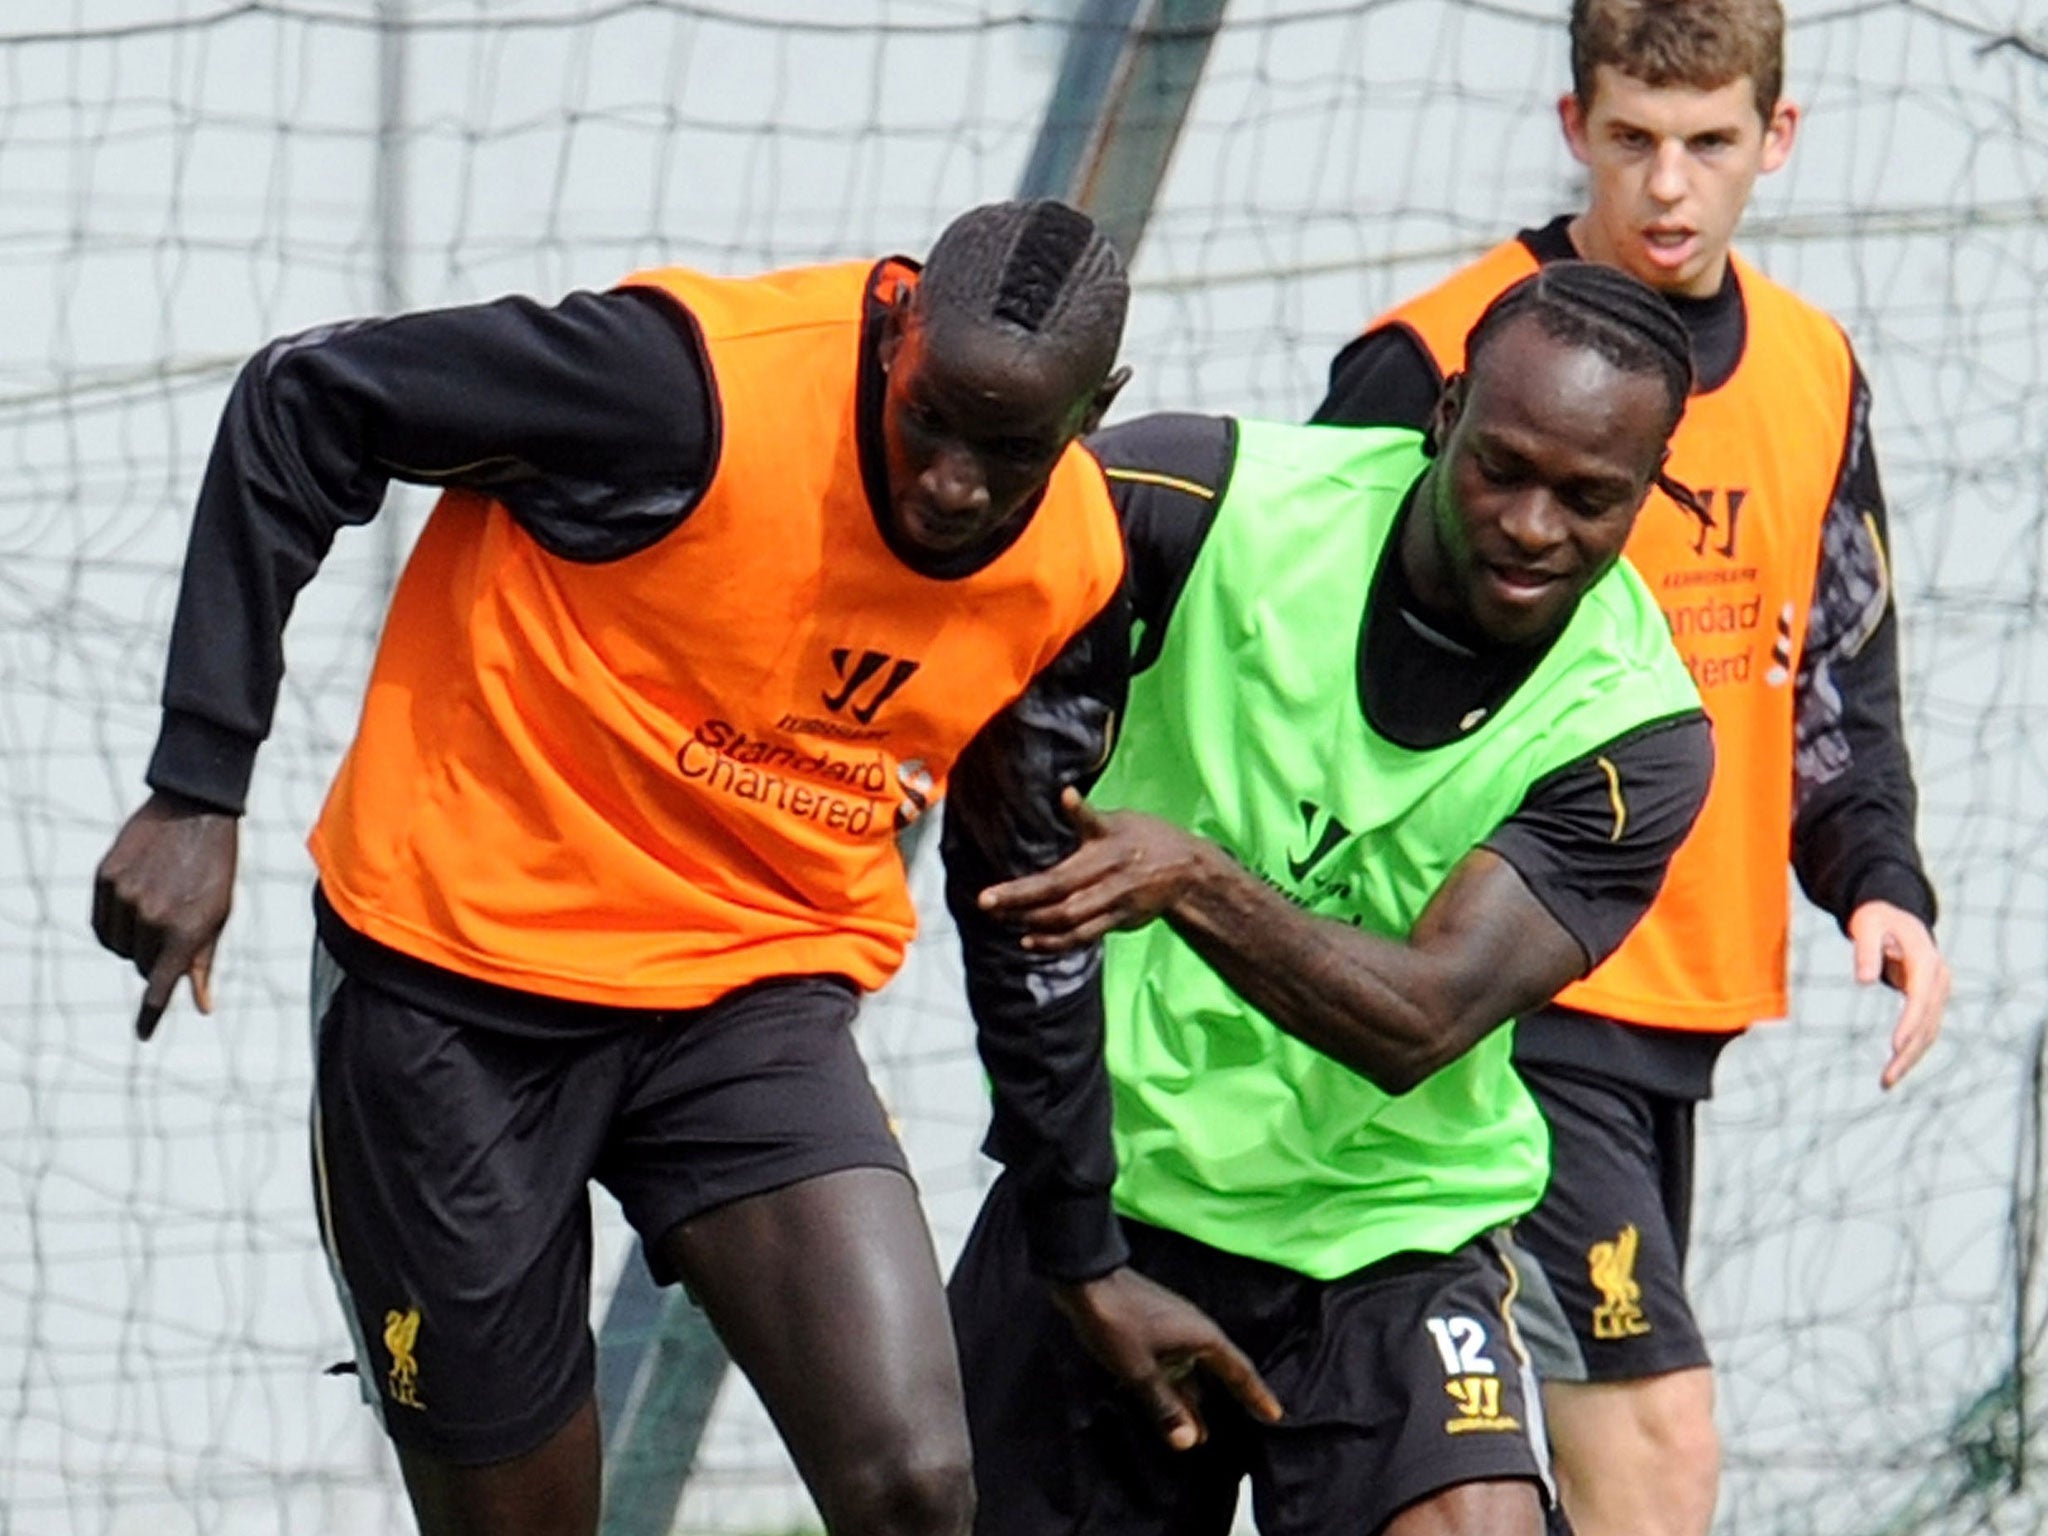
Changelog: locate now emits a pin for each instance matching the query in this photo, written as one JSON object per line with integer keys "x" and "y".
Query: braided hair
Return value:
{"x": 1040, "y": 268}
{"x": 1603, "y": 309}
{"x": 1614, "y": 315}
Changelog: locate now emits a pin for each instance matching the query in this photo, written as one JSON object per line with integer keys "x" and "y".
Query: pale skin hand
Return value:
{"x": 1895, "y": 946}
{"x": 161, "y": 896}
{"x": 1154, "y": 1341}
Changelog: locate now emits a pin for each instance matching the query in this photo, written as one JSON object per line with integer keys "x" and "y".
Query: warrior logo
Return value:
{"x": 1478, "y": 1401}
{"x": 1725, "y": 527}
{"x": 852, "y": 674}
{"x": 1321, "y": 847}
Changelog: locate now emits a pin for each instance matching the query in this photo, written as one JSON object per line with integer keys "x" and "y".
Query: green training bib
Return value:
{"x": 1249, "y": 731}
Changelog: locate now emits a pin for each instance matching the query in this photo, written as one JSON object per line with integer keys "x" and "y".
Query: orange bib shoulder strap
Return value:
{"x": 1440, "y": 317}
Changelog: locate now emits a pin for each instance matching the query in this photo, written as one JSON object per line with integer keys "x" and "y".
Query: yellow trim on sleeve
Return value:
{"x": 1614, "y": 798}
{"x": 1170, "y": 482}
{"x": 1884, "y": 564}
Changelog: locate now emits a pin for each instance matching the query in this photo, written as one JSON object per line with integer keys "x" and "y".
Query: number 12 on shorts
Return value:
{"x": 1461, "y": 1344}
{"x": 1470, "y": 1376}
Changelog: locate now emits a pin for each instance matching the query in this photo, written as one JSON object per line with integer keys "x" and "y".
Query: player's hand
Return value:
{"x": 1129, "y": 868}
{"x": 1154, "y": 1341}
{"x": 1894, "y": 945}
{"x": 161, "y": 897}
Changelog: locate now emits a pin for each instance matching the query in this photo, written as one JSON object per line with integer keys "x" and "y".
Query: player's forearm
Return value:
{"x": 1039, "y": 1017}
{"x": 1856, "y": 844}
{"x": 259, "y": 532}
{"x": 1038, "y": 1026}
{"x": 1854, "y": 801}
{"x": 1391, "y": 1013}
{"x": 1050, "y": 1121}
{"x": 590, "y": 419}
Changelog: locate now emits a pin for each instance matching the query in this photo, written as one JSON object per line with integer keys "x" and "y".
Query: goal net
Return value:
{"x": 182, "y": 179}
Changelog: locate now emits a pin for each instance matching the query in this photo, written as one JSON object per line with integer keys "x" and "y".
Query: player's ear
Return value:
{"x": 1105, "y": 397}
{"x": 1450, "y": 400}
{"x": 1571, "y": 117}
{"x": 1779, "y": 131}
{"x": 895, "y": 326}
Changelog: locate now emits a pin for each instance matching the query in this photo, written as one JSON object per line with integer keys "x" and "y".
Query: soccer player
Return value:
{"x": 729, "y": 580}
{"x": 1407, "y": 749}
{"x": 1778, "y": 594}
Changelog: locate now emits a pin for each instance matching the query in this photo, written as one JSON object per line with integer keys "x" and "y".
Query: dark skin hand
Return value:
{"x": 1129, "y": 869}
{"x": 1154, "y": 1341}
{"x": 1483, "y": 950}
{"x": 161, "y": 897}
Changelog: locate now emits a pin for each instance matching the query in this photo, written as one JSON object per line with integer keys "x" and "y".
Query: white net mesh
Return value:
{"x": 181, "y": 180}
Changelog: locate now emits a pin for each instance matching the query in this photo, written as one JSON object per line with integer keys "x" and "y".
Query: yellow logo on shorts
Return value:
{"x": 1470, "y": 1376}
{"x": 1478, "y": 1400}
{"x": 1613, "y": 1269}
{"x": 401, "y": 1333}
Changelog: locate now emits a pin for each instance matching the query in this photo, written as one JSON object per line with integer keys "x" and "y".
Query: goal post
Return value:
{"x": 1127, "y": 78}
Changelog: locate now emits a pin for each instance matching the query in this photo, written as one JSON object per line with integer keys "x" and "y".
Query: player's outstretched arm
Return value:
{"x": 1483, "y": 950}
{"x": 567, "y": 414}
{"x": 1549, "y": 894}
{"x": 1854, "y": 798}
{"x": 1039, "y": 1025}
{"x": 1038, "y": 1016}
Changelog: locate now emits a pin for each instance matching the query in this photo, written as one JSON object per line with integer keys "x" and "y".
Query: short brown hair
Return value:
{"x": 1703, "y": 44}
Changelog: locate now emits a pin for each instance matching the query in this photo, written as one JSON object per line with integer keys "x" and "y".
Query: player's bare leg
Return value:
{"x": 550, "y": 1491}
{"x": 1636, "y": 1458}
{"x": 827, "y": 1294}
{"x": 1501, "y": 1507}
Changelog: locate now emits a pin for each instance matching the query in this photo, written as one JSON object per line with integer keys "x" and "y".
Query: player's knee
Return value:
{"x": 1674, "y": 1419}
{"x": 1690, "y": 1448}
{"x": 1655, "y": 1430}
{"x": 926, "y": 1493}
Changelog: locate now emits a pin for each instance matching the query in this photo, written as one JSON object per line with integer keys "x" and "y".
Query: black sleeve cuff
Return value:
{"x": 1073, "y": 1237}
{"x": 202, "y": 761}
{"x": 1900, "y": 884}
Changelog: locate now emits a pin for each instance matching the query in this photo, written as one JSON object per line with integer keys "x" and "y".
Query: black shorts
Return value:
{"x": 452, "y": 1166}
{"x": 1398, "y": 1382}
{"x": 1604, "y": 1253}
